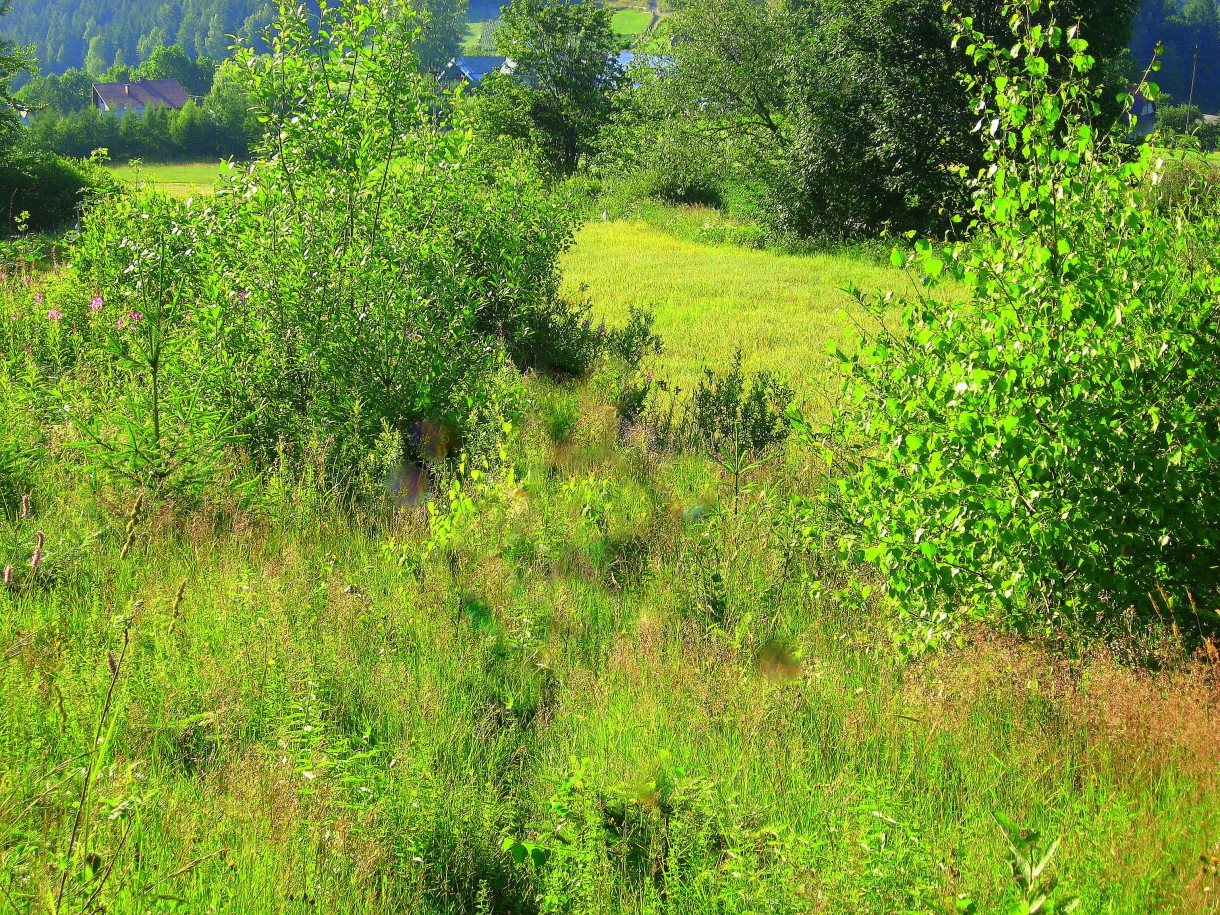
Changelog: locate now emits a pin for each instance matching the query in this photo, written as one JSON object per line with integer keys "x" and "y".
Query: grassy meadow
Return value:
{"x": 781, "y": 310}
{"x": 305, "y": 708}
{"x": 631, "y": 23}
{"x": 179, "y": 180}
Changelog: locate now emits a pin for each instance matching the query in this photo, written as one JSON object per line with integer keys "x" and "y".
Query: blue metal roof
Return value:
{"x": 475, "y": 68}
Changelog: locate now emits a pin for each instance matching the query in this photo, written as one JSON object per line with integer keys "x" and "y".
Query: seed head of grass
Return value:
{"x": 36, "y": 560}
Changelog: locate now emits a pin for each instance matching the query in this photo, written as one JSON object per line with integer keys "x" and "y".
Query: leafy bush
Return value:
{"x": 374, "y": 269}
{"x": 636, "y": 339}
{"x": 1046, "y": 450}
{"x": 52, "y": 189}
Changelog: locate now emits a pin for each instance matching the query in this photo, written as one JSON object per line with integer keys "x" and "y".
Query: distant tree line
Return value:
{"x": 96, "y": 35}
{"x": 215, "y": 124}
{"x": 835, "y": 118}
{"x": 92, "y": 35}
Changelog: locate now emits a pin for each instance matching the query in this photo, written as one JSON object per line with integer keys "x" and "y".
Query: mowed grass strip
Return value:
{"x": 781, "y": 310}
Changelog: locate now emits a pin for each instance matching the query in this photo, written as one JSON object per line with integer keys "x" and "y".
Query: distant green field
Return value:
{"x": 631, "y": 22}
{"x": 188, "y": 180}
{"x": 480, "y": 37}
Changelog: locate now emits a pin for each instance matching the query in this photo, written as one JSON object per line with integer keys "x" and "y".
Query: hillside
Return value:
{"x": 1183, "y": 27}
{"x": 90, "y": 33}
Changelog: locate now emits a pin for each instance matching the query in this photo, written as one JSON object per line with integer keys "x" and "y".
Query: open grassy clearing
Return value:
{"x": 631, "y": 22}
{"x": 480, "y": 37}
{"x": 184, "y": 180}
{"x": 781, "y": 310}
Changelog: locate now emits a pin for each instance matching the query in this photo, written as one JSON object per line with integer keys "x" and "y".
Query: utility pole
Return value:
{"x": 1190, "y": 104}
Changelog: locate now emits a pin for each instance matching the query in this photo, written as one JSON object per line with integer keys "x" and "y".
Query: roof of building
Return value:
{"x": 144, "y": 93}
{"x": 477, "y": 67}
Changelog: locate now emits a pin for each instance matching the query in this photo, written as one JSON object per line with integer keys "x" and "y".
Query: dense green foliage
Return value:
{"x": 560, "y": 94}
{"x": 842, "y": 118}
{"x": 1187, "y": 126}
{"x": 1047, "y": 450}
{"x": 37, "y": 191}
{"x": 14, "y": 60}
{"x": 43, "y": 192}
{"x": 368, "y": 276}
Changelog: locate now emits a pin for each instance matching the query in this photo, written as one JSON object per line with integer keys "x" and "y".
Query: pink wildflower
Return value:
{"x": 54, "y": 315}
{"x": 38, "y": 298}
{"x": 96, "y": 304}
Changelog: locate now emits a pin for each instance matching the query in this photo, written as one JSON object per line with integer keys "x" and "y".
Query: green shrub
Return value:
{"x": 52, "y": 189}
{"x": 372, "y": 270}
{"x": 1046, "y": 452}
{"x": 729, "y": 414}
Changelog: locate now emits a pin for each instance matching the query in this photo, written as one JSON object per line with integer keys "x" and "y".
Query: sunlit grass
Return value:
{"x": 631, "y": 22}
{"x": 320, "y": 703}
{"x": 781, "y": 310}
{"x": 181, "y": 180}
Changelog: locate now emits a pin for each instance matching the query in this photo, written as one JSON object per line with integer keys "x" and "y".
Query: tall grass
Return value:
{"x": 367, "y": 712}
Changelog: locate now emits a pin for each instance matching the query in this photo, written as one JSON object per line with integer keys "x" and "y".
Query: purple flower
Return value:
{"x": 96, "y": 304}
{"x": 601, "y": 330}
{"x": 38, "y": 298}
{"x": 586, "y": 324}
{"x": 54, "y": 315}
{"x": 132, "y": 317}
